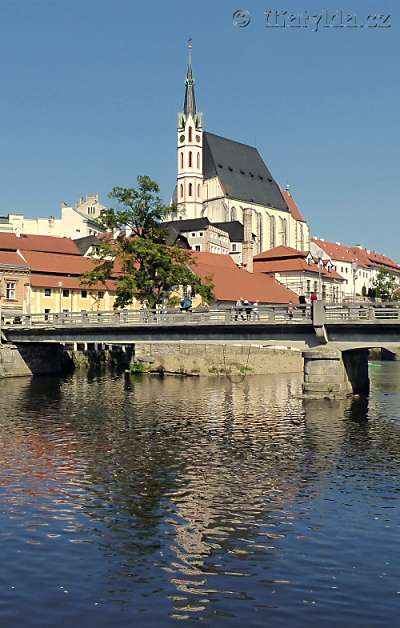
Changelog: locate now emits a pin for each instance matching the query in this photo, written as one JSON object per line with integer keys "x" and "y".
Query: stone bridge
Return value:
{"x": 334, "y": 339}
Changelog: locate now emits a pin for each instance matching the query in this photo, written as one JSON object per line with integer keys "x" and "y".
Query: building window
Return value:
{"x": 181, "y": 190}
{"x": 198, "y": 161}
{"x": 190, "y": 189}
{"x": 91, "y": 211}
{"x": 46, "y": 314}
{"x": 233, "y": 248}
{"x": 190, "y": 134}
{"x": 233, "y": 213}
{"x": 283, "y": 232}
{"x": 84, "y": 294}
{"x": 100, "y": 295}
{"x": 197, "y": 247}
{"x": 65, "y": 293}
{"x": 181, "y": 160}
{"x": 198, "y": 191}
{"x": 272, "y": 232}
{"x": 308, "y": 287}
{"x": 11, "y": 290}
{"x": 47, "y": 292}
{"x": 190, "y": 159}
{"x": 259, "y": 232}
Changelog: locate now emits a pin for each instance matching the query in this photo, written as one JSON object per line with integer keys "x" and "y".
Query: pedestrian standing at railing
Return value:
{"x": 256, "y": 313}
{"x": 313, "y": 300}
{"x": 239, "y": 309}
{"x": 145, "y": 312}
{"x": 247, "y": 308}
{"x": 303, "y": 304}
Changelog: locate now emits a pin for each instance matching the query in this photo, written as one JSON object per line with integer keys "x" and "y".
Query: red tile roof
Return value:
{"x": 46, "y": 244}
{"x": 11, "y": 258}
{"x": 337, "y": 252}
{"x": 280, "y": 252}
{"x": 372, "y": 258}
{"x": 59, "y": 264}
{"x": 356, "y": 254}
{"x": 232, "y": 282}
{"x": 61, "y": 281}
{"x": 298, "y": 265}
{"x": 291, "y": 203}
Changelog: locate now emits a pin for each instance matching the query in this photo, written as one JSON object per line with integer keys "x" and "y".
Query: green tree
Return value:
{"x": 386, "y": 285}
{"x": 134, "y": 250}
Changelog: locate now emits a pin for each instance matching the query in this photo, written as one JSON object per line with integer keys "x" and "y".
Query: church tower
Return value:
{"x": 189, "y": 185}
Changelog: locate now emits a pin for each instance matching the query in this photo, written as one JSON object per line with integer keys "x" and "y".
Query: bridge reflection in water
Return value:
{"x": 198, "y": 499}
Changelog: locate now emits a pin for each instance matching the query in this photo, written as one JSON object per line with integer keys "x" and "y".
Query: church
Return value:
{"x": 226, "y": 181}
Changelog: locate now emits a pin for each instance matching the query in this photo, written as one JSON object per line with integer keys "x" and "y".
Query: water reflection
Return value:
{"x": 197, "y": 499}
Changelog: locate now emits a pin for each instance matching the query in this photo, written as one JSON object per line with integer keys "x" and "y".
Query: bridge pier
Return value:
{"x": 335, "y": 374}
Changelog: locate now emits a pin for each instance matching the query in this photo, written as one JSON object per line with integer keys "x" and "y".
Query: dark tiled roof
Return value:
{"x": 188, "y": 224}
{"x": 241, "y": 170}
{"x": 85, "y": 243}
{"x": 233, "y": 228}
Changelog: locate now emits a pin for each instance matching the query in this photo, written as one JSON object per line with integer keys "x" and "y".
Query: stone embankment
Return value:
{"x": 198, "y": 359}
{"x": 32, "y": 359}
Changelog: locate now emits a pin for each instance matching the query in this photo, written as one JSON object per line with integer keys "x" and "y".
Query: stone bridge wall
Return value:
{"x": 217, "y": 359}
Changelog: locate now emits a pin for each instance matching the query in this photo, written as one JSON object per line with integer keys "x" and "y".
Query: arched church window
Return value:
{"x": 190, "y": 134}
{"x": 198, "y": 190}
{"x": 259, "y": 232}
{"x": 190, "y": 189}
{"x": 272, "y": 232}
{"x": 181, "y": 160}
{"x": 302, "y": 243}
{"x": 190, "y": 159}
{"x": 181, "y": 190}
{"x": 233, "y": 213}
{"x": 283, "y": 232}
{"x": 198, "y": 161}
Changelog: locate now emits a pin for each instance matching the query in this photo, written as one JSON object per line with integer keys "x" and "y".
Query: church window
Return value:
{"x": 283, "y": 231}
{"x": 259, "y": 232}
{"x": 182, "y": 138}
{"x": 181, "y": 160}
{"x": 302, "y": 243}
{"x": 198, "y": 139}
{"x": 272, "y": 232}
{"x": 190, "y": 189}
{"x": 190, "y": 159}
{"x": 190, "y": 134}
{"x": 198, "y": 160}
{"x": 233, "y": 213}
{"x": 198, "y": 190}
{"x": 181, "y": 190}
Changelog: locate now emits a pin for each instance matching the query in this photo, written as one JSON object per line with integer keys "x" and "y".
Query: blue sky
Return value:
{"x": 91, "y": 88}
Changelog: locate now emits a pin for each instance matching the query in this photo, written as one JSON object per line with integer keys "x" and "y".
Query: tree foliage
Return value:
{"x": 134, "y": 250}
{"x": 387, "y": 286}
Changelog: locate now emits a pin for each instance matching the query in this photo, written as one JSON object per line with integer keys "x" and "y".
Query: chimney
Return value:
{"x": 247, "y": 254}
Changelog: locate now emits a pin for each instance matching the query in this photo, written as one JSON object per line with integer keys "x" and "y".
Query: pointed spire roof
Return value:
{"x": 189, "y": 106}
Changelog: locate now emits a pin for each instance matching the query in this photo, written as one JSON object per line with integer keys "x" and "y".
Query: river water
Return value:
{"x": 152, "y": 501}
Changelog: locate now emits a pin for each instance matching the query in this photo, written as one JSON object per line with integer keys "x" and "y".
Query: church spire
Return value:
{"x": 189, "y": 106}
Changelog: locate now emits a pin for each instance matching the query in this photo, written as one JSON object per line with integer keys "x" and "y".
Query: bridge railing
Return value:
{"x": 216, "y": 316}
{"x": 364, "y": 312}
